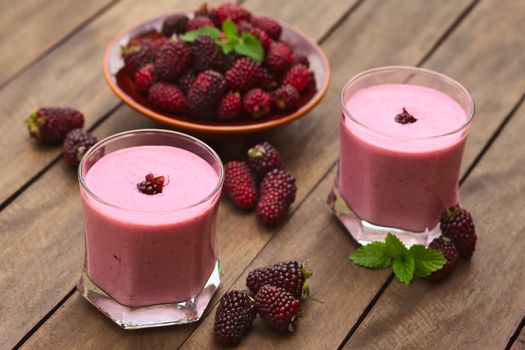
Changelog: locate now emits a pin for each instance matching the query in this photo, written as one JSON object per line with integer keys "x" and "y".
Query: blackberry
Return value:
{"x": 457, "y": 224}
{"x": 300, "y": 77}
{"x": 230, "y": 107}
{"x": 185, "y": 81}
{"x": 244, "y": 75}
{"x": 234, "y": 317}
{"x": 206, "y": 54}
{"x": 449, "y": 250}
{"x": 288, "y": 275}
{"x": 76, "y": 144}
{"x": 279, "y": 57}
{"x": 277, "y": 307}
{"x": 405, "y": 117}
{"x": 239, "y": 184}
{"x": 257, "y": 103}
{"x": 50, "y": 125}
{"x": 263, "y": 158}
{"x": 175, "y": 24}
{"x": 205, "y": 93}
{"x": 151, "y": 185}
{"x": 172, "y": 60}
{"x": 286, "y": 97}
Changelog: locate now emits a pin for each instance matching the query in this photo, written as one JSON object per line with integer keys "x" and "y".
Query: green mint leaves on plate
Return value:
{"x": 229, "y": 41}
{"x": 406, "y": 263}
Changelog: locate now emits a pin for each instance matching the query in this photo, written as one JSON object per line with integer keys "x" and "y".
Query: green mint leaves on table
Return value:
{"x": 245, "y": 45}
{"x": 406, "y": 263}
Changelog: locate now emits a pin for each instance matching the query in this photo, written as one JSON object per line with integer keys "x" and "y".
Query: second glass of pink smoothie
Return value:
{"x": 151, "y": 257}
{"x": 402, "y": 135}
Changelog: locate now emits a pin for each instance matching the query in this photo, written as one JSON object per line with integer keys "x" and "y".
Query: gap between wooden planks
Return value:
{"x": 519, "y": 343}
{"x": 363, "y": 18}
{"x": 28, "y": 271}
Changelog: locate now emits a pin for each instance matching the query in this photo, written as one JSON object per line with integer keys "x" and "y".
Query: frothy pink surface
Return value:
{"x": 189, "y": 178}
{"x": 406, "y": 179}
{"x": 160, "y": 251}
{"x": 377, "y": 106}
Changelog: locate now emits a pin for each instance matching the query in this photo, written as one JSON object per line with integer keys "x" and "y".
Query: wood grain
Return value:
{"x": 481, "y": 304}
{"x": 31, "y": 27}
{"x": 52, "y": 233}
{"x": 300, "y": 139}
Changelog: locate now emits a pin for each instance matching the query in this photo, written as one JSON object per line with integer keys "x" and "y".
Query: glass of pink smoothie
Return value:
{"x": 402, "y": 135}
{"x": 151, "y": 257}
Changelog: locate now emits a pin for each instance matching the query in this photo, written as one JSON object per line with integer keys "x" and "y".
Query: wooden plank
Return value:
{"x": 72, "y": 258}
{"x": 481, "y": 304}
{"x": 241, "y": 230}
{"x": 29, "y": 28}
{"x": 493, "y": 65}
{"x": 455, "y": 314}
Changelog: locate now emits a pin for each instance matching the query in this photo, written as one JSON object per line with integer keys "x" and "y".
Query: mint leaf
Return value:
{"x": 372, "y": 255}
{"x": 230, "y": 29}
{"x": 403, "y": 267}
{"x": 394, "y": 247}
{"x": 250, "y": 46}
{"x": 194, "y": 34}
{"x": 427, "y": 260}
{"x": 227, "y": 46}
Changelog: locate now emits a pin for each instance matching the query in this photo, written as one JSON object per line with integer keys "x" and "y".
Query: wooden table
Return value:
{"x": 52, "y": 53}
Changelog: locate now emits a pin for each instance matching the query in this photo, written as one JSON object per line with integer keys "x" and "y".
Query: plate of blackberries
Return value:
{"x": 217, "y": 71}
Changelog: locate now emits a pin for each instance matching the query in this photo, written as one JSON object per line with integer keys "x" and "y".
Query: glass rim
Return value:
{"x": 108, "y": 139}
{"x": 409, "y": 69}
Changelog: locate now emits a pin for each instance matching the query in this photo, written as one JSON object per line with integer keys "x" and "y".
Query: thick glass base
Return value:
{"x": 129, "y": 317}
{"x": 364, "y": 232}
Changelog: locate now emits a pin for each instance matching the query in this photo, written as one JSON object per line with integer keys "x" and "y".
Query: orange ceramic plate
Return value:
{"x": 122, "y": 86}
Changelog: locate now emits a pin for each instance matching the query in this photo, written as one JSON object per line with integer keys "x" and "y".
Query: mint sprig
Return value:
{"x": 406, "y": 263}
{"x": 229, "y": 40}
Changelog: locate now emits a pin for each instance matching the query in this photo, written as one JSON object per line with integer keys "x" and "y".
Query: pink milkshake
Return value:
{"x": 400, "y": 150}
{"x": 150, "y": 249}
